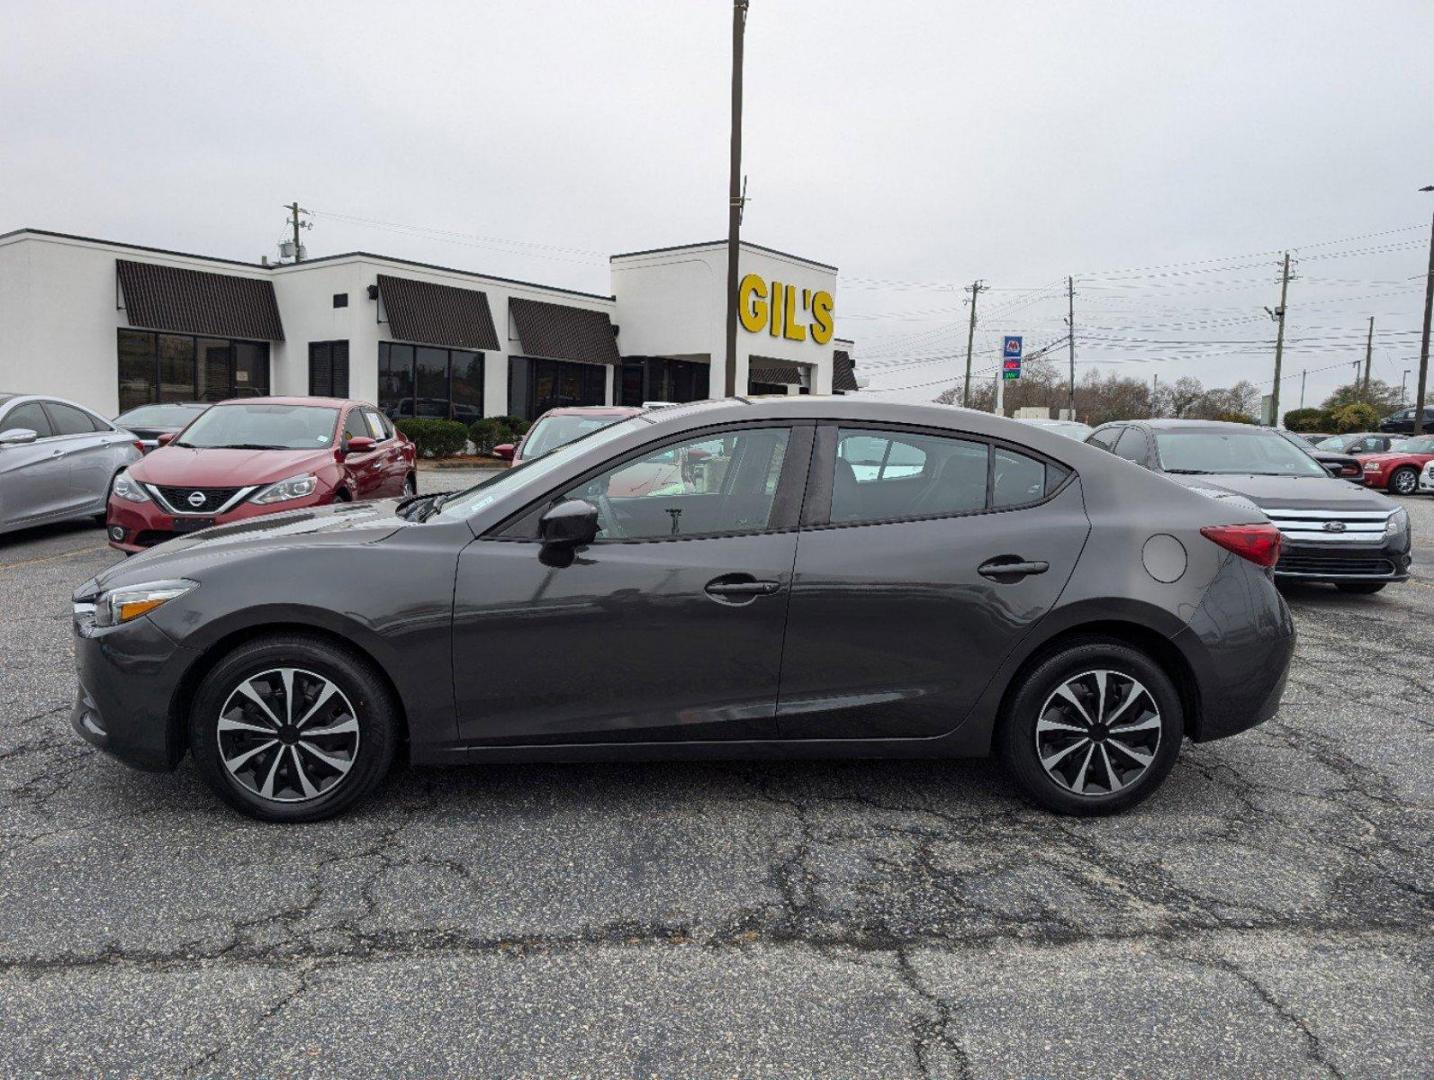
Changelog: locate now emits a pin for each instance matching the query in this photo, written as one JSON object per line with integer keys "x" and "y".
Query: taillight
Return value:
{"x": 138, "y": 445}
{"x": 1258, "y": 543}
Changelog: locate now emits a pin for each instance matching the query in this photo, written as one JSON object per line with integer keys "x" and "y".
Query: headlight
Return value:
{"x": 296, "y": 487}
{"x": 130, "y": 602}
{"x": 1370, "y": 466}
{"x": 1398, "y": 522}
{"x": 126, "y": 487}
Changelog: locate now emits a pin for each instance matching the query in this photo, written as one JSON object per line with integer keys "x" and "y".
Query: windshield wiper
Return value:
{"x": 243, "y": 446}
{"x": 1188, "y": 472}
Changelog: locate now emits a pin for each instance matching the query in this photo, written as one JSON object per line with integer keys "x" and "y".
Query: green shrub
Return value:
{"x": 1234, "y": 418}
{"x": 435, "y": 438}
{"x": 488, "y": 433}
{"x": 1356, "y": 417}
{"x": 1307, "y": 420}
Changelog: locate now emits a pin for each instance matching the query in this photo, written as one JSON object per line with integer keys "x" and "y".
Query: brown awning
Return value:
{"x": 560, "y": 332}
{"x": 843, "y": 372}
{"x": 433, "y": 314}
{"x": 160, "y": 297}
{"x": 768, "y": 369}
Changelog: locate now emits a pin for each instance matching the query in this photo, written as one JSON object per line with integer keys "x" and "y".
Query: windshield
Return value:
{"x": 551, "y": 432}
{"x": 262, "y": 426}
{"x": 160, "y": 415}
{"x": 531, "y": 472}
{"x": 1257, "y": 451}
{"x": 1422, "y": 445}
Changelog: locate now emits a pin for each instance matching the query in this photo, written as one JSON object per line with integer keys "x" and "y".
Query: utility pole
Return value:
{"x": 734, "y": 196}
{"x": 1368, "y": 356}
{"x": 1424, "y": 340}
{"x": 1303, "y": 374}
{"x": 1154, "y": 392}
{"x": 294, "y": 211}
{"x": 1403, "y": 382}
{"x": 1070, "y": 337}
{"x": 1279, "y": 316}
{"x": 976, "y": 289}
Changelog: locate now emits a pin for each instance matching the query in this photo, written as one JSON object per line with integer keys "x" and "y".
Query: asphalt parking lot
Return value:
{"x": 1266, "y": 914}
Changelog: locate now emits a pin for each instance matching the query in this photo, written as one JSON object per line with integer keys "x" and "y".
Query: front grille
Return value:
{"x": 214, "y": 498}
{"x": 1321, "y": 526}
{"x": 1334, "y": 564}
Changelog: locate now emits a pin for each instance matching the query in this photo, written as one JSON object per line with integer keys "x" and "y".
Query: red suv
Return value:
{"x": 253, "y": 456}
{"x": 1397, "y": 469}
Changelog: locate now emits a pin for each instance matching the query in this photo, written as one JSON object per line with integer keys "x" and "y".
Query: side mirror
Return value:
{"x": 18, "y": 436}
{"x": 358, "y": 444}
{"x": 570, "y": 524}
{"x": 165, "y": 439}
{"x": 505, "y": 450}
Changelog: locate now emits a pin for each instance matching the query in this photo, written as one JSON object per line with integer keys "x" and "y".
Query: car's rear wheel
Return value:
{"x": 410, "y": 486}
{"x": 1093, "y": 728}
{"x": 1404, "y": 481}
{"x": 1363, "y": 588}
{"x": 292, "y": 728}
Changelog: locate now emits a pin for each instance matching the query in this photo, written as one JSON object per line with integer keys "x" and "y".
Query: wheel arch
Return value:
{"x": 222, "y": 646}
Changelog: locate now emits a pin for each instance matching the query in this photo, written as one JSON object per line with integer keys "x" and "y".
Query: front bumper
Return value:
{"x": 1333, "y": 563}
{"x": 128, "y": 678}
{"x": 142, "y": 525}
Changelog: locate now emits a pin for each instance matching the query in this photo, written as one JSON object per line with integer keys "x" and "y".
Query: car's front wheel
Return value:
{"x": 292, "y": 728}
{"x": 1093, "y": 728}
{"x": 1404, "y": 481}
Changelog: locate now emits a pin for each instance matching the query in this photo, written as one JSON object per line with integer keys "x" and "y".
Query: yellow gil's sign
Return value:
{"x": 779, "y": 308}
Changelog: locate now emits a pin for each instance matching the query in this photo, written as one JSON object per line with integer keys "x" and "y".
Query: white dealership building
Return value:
{"x": 114, "y": 325}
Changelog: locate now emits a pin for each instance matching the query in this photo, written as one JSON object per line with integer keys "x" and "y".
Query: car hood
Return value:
{"x": 183, "y": 466}
{"x": 339, "y": 525}
{"x": 1286, "y": 492}
{"x": 1389, "y": 459}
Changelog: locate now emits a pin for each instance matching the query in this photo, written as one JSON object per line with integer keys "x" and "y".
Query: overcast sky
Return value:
{"x": 917, "y": 146}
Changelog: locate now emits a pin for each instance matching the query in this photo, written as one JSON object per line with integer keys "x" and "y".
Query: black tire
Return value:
{"x": 1360, "y": 588}
{"x": 1016, "y": 735}
{"x": 1404, "y": 481}
{"x": 358, "y": 687}
{"x": 410, "y": 486}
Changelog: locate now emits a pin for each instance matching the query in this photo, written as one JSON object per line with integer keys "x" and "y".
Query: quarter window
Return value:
{"x": 719, "y": 484}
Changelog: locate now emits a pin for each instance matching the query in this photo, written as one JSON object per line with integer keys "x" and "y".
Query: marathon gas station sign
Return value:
{"x": 784, "y": 311}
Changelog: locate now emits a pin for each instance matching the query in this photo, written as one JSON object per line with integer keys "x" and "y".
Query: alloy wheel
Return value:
{"x": 288, "y": 735}
{"x": 1098, "y": 733}
{"x": 1405, "y": 481}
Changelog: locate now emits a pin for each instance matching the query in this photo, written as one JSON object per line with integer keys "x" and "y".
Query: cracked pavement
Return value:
{"x": 1267, "y": 913}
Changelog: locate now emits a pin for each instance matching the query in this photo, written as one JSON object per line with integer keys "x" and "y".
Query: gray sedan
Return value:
{"x": 57, "y": 461}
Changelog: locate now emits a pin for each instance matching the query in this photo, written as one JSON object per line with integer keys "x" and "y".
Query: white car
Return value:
{"x": 1426, "y": 478}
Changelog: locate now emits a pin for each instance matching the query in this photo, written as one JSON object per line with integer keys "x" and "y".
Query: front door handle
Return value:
{"x": 1010, "y": 568}
{"x": 739, "y": 588}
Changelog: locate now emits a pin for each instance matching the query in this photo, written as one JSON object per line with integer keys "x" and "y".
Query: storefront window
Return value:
{"x": 430, "y": 382}
{"x": 657, "y": 378}
{"x": 557, "y": 384}
{"x": 156, "y": 368}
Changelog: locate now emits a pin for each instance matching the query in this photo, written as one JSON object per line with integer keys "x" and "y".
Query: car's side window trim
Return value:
{"x": 817, "y": 510}
{"x": 787, "y": 503}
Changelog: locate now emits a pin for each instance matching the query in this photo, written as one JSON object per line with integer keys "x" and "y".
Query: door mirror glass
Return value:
{"x": 358, "y": 444}
{"x": 570, "y": 524}
{"x": 17, "y": 436}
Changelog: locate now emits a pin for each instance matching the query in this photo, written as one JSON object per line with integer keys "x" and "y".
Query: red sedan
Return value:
{"x": 254, "y": 456}
{"x": 1398, "y": 469}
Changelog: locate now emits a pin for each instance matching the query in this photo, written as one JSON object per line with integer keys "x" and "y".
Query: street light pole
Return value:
{"x": 1424, "y": 340}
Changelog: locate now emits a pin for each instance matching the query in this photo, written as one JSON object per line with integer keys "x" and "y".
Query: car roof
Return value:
{"x": 1171, "y": 424}
{"x": 329, "y": 402}
{"x": 594, "y": 410}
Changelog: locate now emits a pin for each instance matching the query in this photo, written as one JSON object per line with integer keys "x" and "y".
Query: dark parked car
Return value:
{"x": 1002, "y": 587}
{"x": 1344, "y": 466}
{"x": 1334, "y": 532}
{"x": 251, "y": 456}
{"x": 57, "y": 461}
{"x": 1402, "y": 422}
{"x": 149, "y": 422}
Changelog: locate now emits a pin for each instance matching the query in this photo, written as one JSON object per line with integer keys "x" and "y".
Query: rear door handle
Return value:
{"x": 1009, "y": 568}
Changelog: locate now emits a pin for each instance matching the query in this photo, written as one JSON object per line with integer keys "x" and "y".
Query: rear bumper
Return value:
{"x": 1240, "y": 642}
{"x": 145, "y": 524}
{"x": 128, "y": 676}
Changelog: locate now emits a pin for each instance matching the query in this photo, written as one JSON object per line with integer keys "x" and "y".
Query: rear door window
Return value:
{"x": 884, "y": 475}
{"x": 68, "y": 420}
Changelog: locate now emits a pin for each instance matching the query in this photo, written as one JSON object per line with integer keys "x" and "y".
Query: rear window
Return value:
{"x": 175, "y": 416}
